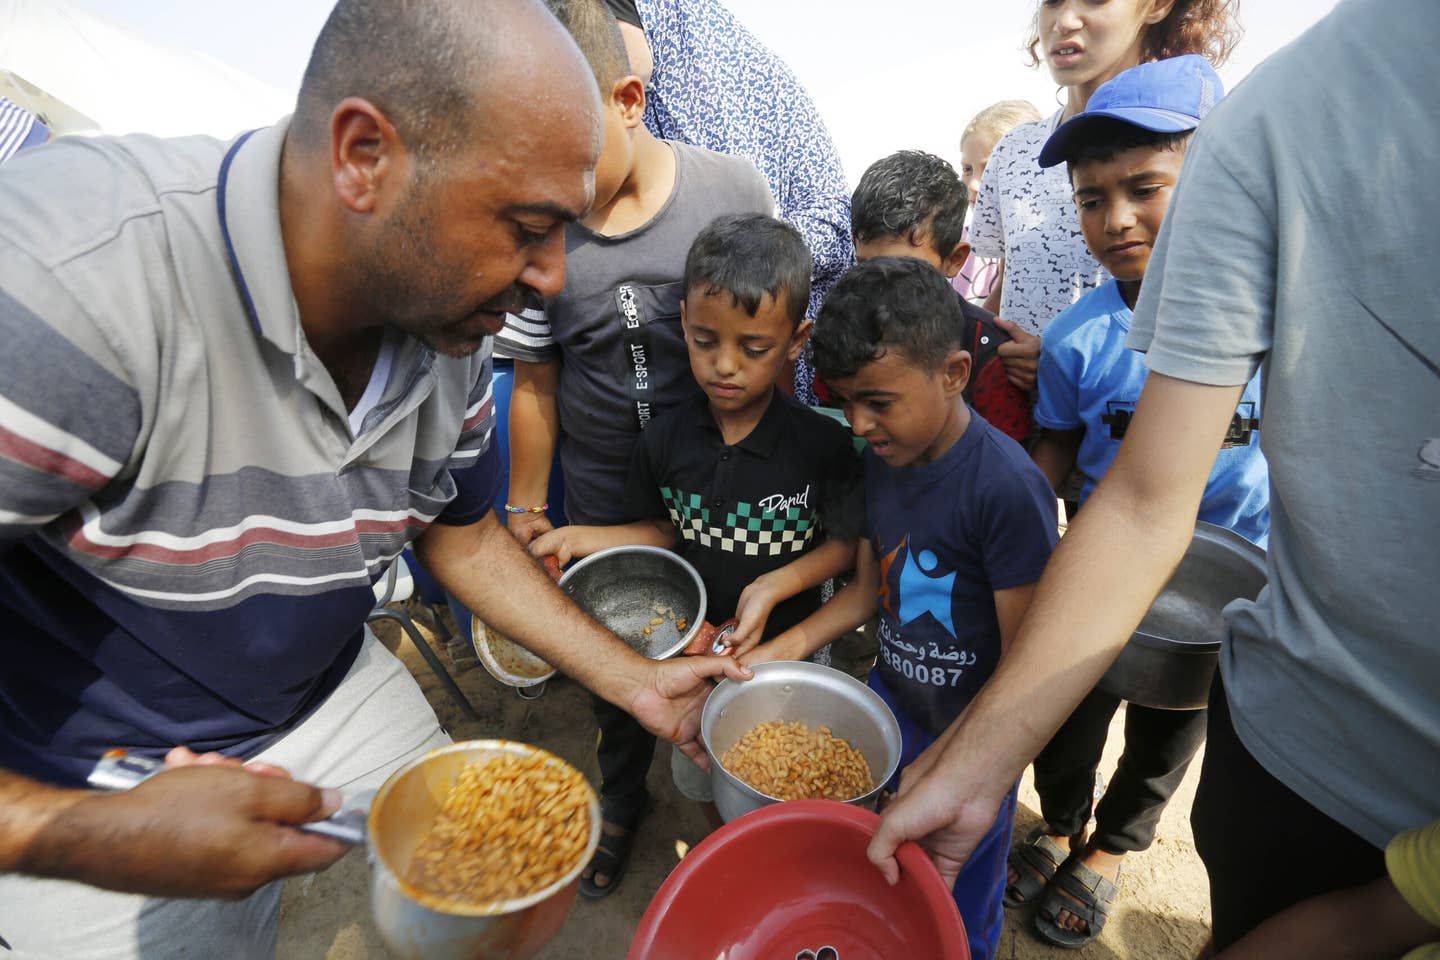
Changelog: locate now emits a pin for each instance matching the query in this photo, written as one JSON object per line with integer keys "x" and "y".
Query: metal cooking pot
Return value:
{"x": 795, "y": 691}
{"x": 627, "y": 587}
{"x": 1170, "y": 659}
{"x": 416, "y": 924}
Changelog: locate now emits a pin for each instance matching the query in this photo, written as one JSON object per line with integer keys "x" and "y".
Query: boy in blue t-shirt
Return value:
{"x": 1124, "y": 153}
{"x": 959, "y": 525}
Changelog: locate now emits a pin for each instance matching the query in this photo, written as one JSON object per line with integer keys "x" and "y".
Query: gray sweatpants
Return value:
{"x": 376, "y": 720}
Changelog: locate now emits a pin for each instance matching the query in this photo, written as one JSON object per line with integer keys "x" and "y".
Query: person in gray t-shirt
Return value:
{"x": 1301, "y": 241}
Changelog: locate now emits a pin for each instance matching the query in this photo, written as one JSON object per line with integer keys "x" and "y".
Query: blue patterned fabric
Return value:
{"x": 717, "y": 86}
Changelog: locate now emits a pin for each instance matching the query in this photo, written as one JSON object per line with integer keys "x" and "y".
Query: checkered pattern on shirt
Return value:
{"x": 747, "y": 530}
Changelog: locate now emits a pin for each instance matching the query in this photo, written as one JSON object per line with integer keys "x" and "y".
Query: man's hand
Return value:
{"x": 669, "y": 705}
{"x": 1021, "y": 356}
{"x": 527, "y": 526}
{"x": 203, "y": 830}
{"x": 938, "y": 815}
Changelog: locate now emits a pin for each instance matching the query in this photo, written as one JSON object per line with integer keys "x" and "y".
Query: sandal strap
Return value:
{"x": 1083, "y": 893}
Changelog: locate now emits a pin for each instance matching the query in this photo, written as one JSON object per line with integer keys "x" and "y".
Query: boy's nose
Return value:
{"x": 1067, "y": 19}
{"x": 1120, "y": 218}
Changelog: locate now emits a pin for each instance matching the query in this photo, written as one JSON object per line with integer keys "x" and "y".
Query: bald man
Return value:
{"x": 238, "y": 379}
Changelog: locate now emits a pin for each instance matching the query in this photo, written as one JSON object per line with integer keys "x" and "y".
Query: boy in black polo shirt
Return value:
{"x": 761, "y": 494}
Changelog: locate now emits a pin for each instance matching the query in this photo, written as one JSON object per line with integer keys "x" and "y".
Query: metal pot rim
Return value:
{"x": 600, "y": 556}
{"x": 440, "y": 904}
{"x": 707, "y": 719}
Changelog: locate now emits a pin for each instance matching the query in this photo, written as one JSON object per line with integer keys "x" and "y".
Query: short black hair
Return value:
{"x": 597, "y": 34}
{"x": 1105, "y": 138}
{"x": 420, "y": 63}
{"x": 898, "y": 303}
{"x": 750, "y": 256}
{"x": 908, "y": 194}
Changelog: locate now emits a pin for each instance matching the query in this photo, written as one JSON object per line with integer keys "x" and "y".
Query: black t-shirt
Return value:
{"x": 625, "y": 11}
{"x": 743, "y": 510}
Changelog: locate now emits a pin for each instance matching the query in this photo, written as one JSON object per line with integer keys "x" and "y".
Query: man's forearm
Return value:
{"x": 27, "y": 808}
{"x": 488, "y": 571}
{"x": 1110, "y": 565}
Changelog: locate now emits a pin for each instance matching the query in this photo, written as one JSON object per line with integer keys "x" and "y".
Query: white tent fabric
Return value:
{"x": 118, "y": 81}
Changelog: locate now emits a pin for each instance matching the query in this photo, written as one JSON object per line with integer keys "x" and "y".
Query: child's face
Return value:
{"x": 1086, "y": 42}
{"x": 923, "y": 248}
{"x": 974, "y": 154}
{"x": 1122, "y": 202}
{"x": 736, "y": 357}
{"x": 906, "y": 413}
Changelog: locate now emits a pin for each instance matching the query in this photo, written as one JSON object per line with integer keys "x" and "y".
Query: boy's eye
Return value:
{"x": 1089, "y": 203}
{"x": 756, "y": 352}
{"x": 702, "y": 344}
{"x": 1148, "y": 191}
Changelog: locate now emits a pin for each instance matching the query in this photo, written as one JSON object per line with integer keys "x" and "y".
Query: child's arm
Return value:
{"x": 1056, "y": 453}
{"x": 765, "y": 592}
{"x": 851, "y": 607}
{"x": 1372, "y": 921}
{"x": 569, "y": 542}
{"x": 1010, "y": 607}
{"x": 534, "y": 430}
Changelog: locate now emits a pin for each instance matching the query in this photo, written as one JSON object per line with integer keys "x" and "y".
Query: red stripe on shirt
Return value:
{"x": 32, "y": 454}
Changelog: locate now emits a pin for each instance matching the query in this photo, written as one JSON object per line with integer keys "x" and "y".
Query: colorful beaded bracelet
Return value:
{"x": 511, "y": 508}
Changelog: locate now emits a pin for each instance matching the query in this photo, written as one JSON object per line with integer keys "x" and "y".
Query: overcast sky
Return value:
{"x": 911, "y": 77}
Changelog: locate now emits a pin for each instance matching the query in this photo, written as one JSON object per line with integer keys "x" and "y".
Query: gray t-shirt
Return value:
{"x": 1303, "y": 235}
{"x": 616, "y": 327}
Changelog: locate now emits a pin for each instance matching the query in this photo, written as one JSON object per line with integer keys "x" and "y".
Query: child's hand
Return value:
{"x": 776, "y": 649}
{"x": 752, "y": 610}
{"x": 1021, "y": 356}
{"x": 527, "y": 526}
{"x": 558, "y": 543}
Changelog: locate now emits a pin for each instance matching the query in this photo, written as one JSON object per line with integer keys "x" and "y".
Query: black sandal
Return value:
{"x": 1035, "y": 862}
{"x": 1084, "y": 894}
{"x": 612, "y": 858}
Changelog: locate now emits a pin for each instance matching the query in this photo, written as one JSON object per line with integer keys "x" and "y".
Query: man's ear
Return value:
{"x": 799, "y": 339}
{"x": 950, "y": 265}
{"x": 629, "y": 95}
{"x": 956, "y": 372}
{"x": 365, "y": 153}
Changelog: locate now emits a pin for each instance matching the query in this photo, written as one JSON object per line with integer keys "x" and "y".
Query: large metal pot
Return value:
{"x": 808, "y": 693}
{"x": 627, "y": 587}
{"x": 416, "y": 924}
{"x": 1170, "y": 659}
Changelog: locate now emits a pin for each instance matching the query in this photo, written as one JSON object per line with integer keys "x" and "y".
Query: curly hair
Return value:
{"x": 910, "y": 194}
{"x": 1210, "y": 28}
{"x": 887, "y": 303}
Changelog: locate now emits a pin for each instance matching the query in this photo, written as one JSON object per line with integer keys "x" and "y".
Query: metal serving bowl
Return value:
{"x": 627, "y": 587}
{"x": 416, "y": 924}
{"x": 506, "y": 660}
{"x": 804, "y": 692}
{"x": 1170, "y": 659}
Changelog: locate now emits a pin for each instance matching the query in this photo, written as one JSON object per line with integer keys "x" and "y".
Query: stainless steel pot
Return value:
{"x": 416, "y": 924}
{"x": 1170, "y": 659}
{"x": 804, "y": 692}
{"x": 627, "y": 587}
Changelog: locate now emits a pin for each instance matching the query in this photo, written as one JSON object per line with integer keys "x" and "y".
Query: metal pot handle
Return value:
{"x": 712, "y": 640}
{"x": 120, "y": 770}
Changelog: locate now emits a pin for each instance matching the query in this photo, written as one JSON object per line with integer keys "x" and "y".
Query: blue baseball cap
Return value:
{"x": 1167, "y": 96}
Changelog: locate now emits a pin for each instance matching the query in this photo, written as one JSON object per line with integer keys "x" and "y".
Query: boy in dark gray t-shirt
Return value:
{"x": 607, "y": 354}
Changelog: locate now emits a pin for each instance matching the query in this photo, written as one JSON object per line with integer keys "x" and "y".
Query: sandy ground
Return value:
{"x": 1163, "y": 912}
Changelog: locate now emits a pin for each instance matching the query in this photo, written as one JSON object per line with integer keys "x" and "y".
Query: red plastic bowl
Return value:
{"x": 793, "y": 877}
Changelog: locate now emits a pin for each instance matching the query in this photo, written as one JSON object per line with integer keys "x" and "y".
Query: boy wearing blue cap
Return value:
{"x": 1124, "y": 153}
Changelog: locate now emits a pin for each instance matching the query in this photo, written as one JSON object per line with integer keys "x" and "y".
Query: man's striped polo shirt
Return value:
{"x": 188, "y": 526}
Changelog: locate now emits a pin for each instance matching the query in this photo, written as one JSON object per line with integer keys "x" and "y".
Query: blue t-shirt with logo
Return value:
{"x": 1089, "y": 381}
{"x": 947, "y": 535}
